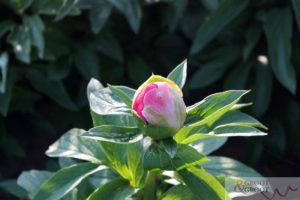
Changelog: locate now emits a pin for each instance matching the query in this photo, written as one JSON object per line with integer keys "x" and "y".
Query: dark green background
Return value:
{"x": 66, "y": 42}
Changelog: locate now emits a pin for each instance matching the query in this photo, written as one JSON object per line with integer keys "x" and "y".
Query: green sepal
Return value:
{"x": 155, "y": 132}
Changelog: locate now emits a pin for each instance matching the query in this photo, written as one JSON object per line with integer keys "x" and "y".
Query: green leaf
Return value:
{"x": 5, "y": 98}
{"x": 179, "y": 73}
{"x": 3, "y": 68}
{"x": 86, "y": 60}
{"x": 262, "y": 89}
{"x": 203, "y": 185}
{"x": 240, "y": 106}
{"x": 102, "y": 177}
{"x": 106, "y": 107}
{"x": 129, "y": 92}
{"x": 190, "y": 22}
{"x": 17, "y": 6}
{"x": 225, "y": 13}
{"x": 213, "y": 107}
{"x": 213, "y": 70}
{"x": 99, "y": 14}
{"x": 114, "y": 190}
{"x": 66, "y": 162}
{"x": 225, "y": 131}
{"x": 55, "y": 7}
{"x": 134, "y": 159}
{"x": 13, "y": 188}
{"x": 93, "y": 87}
{"x": 53, "y": 89}
{"x": 65, "y": 9}
{"x": 197, "y": 136}
{"x": 72, "y": 195}
{"x": 208, "y": 111}
{"x": 116, "y": 134}
{"x": 37, "y": 27}
{"x": 178, "y": 8}
{"x": 156, "y": 157}
{"x": 124, "y": 93}
{"x": 132, "y": 11}
{"x": 126, "y": 160}
{"x": 233, "y": 123}
{"x": 210, "y": 4}
{"x": 45, "y": 7}
{"x": 32, "y": 180}
{"x": 170, "y": 146}
{"x": 117, "y": 120}
{"x": 223, "y": 166}
{"x": 209, "y": 145}
{"x": 104, "y": 102}
{"x": 187, "y": 156}
{"x": 179, "y": 192}
{"x": 109, "y": 46}
{"x": 65, "y": 180}
{"x": 72, "y": 145}
{"x": 6, "y": 26}
{"x": 237, "y": 130}
{"x": 296, "y": 6}
{"x": 279, "y": 45}
{"x": 235, "y": 117}
{"x": 20, "y": 39}
{"x": 229, "y": 123}
{"x": 59, "y": 69}
{"x": 253, "y": 35}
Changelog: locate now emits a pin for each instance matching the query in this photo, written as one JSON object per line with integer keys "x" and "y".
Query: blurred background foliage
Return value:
{"x": 49, "y": 50}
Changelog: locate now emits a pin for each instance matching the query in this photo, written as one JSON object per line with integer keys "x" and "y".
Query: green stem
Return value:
{"x": 150, "y": 185}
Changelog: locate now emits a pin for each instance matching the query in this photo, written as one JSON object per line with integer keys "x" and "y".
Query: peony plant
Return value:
{"x": 146, "y": 144}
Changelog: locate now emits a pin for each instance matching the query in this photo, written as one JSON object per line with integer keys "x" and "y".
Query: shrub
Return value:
{"x": 131, "y": 156}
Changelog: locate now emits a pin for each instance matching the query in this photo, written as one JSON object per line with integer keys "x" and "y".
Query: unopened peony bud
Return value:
{"x": 160, "y": 104}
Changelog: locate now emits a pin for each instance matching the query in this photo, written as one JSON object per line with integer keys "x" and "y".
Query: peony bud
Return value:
{"x": 160, "y": 104}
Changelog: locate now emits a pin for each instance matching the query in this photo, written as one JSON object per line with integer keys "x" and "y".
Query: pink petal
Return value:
{"x": 159, "y": 106}
{"x": 138, "y": 104}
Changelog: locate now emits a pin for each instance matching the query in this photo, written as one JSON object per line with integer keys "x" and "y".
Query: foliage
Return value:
{"x": 49, "y": 50}
{"x": 116, "y": 161}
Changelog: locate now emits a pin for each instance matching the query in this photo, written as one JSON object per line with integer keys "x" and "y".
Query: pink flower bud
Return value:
{"x": 160, "y": 104}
